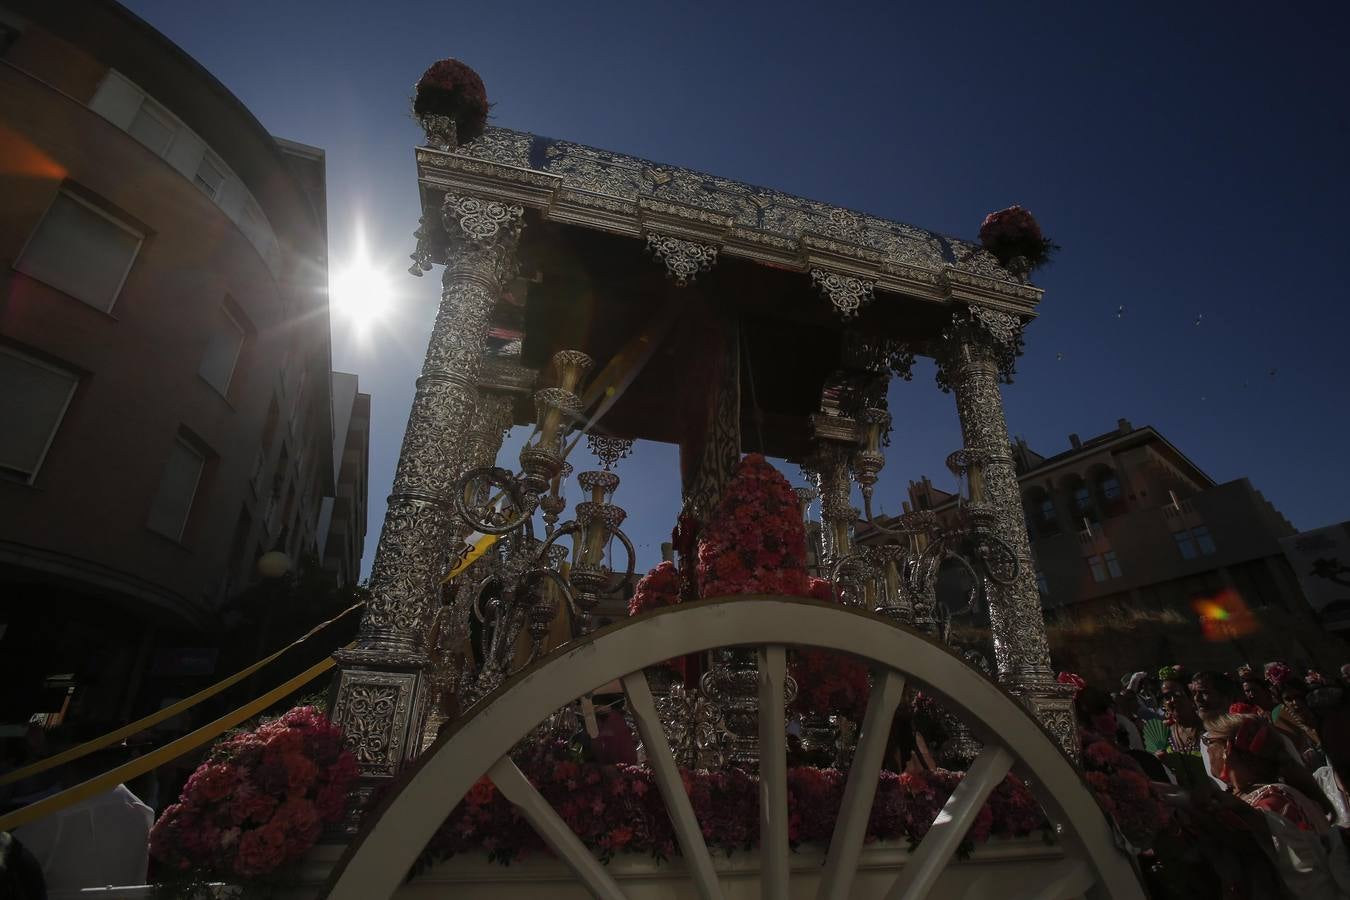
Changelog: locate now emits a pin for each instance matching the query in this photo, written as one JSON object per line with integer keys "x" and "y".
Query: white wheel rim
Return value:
{"x": 377, "y": 860}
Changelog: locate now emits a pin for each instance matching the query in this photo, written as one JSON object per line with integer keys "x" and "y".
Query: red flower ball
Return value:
{"x": 1014, "y": 232}
{"x": 450, "y": 88}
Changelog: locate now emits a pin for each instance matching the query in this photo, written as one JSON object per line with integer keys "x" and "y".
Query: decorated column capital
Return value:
{"x": 981, "y": 336}
{"x": 482, "y": 236}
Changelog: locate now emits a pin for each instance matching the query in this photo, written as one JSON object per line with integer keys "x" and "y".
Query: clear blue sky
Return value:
{"x": 1190, "y": 159}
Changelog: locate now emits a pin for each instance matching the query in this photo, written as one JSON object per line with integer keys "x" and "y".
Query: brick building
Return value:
{"x": 167, "y": 411}
{"x": 1143, "y": 559}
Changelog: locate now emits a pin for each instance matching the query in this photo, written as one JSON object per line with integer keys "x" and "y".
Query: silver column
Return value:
{"x": 976, "y": 352}
{"x": 377, "y": 699}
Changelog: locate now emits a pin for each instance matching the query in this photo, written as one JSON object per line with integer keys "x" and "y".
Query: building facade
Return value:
{"x": 1142, "y": 559}
{"x": 1321, "y": 560}
{"x": 165, "y": 390}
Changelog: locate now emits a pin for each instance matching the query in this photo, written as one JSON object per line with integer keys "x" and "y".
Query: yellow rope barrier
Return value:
{"x": 168, "y": 712}
{"x": 169, "y": 752}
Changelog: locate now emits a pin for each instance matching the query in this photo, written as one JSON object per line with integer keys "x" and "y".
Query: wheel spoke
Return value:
{"x": 926, "y": 863}
{"x": 773, "y": 805}
{"x": 851, "y": 827}
{"x": 667, "y": 777}
{"x": 516, "y": 788}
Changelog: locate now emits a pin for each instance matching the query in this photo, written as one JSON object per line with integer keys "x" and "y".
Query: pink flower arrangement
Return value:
{"x": 1012, "y": 233}
{"x": 260, "y": 800}
{"x": 450, "y": 88}
{"x": 829, "y": 683}
{"x": 755, "y": 542}
{"x": 615, "y": 808}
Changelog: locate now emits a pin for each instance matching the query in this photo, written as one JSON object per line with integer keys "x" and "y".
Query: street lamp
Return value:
{"x": 274, "y": 565}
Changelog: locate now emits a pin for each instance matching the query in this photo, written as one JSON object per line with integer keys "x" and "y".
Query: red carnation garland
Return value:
{"x": 1015, "y": 239}
{"x": 618, "y": 809}
{"x": 755, "y": 542}
{"x": 259, "y": 801}
{"x": 450, "y": 88}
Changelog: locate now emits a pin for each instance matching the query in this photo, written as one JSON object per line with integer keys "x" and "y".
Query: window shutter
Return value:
{"x": 177, "y": 487}
{"x": 222, "y": 351}
{"x": 81, "y": 252}
{"x": 33, "y": 398}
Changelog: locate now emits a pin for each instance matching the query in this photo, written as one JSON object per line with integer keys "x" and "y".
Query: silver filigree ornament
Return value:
{"x": 609, "y": 450}
{"x": 685, "y": 260}
{"x": 848, "y": 294}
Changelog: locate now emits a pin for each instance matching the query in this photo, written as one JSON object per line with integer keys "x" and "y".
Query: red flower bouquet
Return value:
{"x": 829, "y": 683}
{"x": 450, "y": 88}
{"x": 1015, "y": 239}
{"x": 755, "y": 542}
{"x": 259, "y": 801}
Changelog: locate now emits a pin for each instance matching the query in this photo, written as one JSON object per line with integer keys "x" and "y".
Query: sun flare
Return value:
{"x": 360, "y": 291}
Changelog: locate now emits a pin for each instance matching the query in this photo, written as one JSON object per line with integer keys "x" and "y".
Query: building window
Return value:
{"x": 209, "y": 177}
{"x": 1104, "y": 566}
{"x": 152, "y": 127}
{"x": 222, "y": 351}
{"x": 177, "y": 488}
{"x": 1046, "y": 522}
{"x": 1110, "y": 488}
{"x": 1194, "y": 542}
{"x": 1098, "y": 570}
{"x": 81, "y": 251}
{"x": 33, "y": 399}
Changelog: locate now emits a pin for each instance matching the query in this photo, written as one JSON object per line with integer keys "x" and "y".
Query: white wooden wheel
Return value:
{"x": 392, "y": 836}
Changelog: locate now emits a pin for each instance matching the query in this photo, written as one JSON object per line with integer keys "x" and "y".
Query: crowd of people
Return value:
{"x": 1248, "y": 770}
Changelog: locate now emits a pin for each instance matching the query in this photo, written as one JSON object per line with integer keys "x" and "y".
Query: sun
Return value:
{"x": 360, "y": 291}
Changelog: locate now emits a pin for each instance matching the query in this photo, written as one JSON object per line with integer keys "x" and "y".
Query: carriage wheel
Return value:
{"x": 392, "y": 836}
